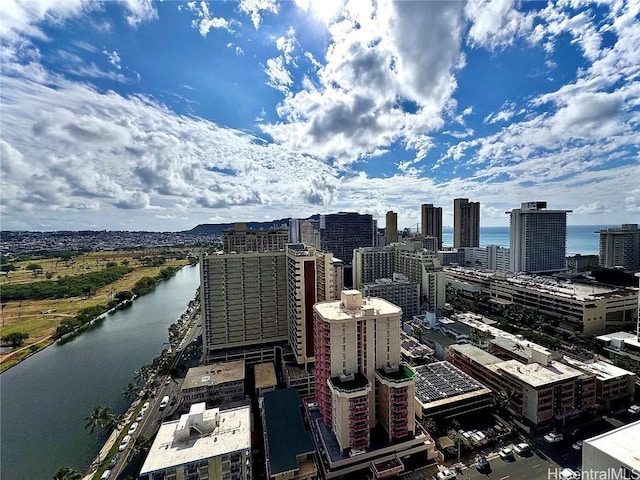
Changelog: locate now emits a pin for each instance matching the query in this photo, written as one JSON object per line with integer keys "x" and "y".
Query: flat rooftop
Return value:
{"x": 603, "y": 370}
{"x": 265, "y": 375}
{"x": 621, "y": 443}
{"x": 442, "y": 382}
{"x": 232, "y": 433}
{"x": 214, "y": 374}
{"x": 287, "y": 437}
{"x": 477, "y": 354}
{"x": 536, "y": 374}
{"x": 373, "y": 306}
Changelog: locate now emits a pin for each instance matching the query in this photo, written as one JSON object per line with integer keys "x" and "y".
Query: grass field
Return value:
{"x": 39, "y": 318}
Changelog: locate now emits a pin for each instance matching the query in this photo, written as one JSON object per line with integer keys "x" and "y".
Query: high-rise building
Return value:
{"x": 466, "y": 223}
{"x": 360, "y": 382}
{"x": 391, "y": 228}
{"x": 620, "y": 247}
{"x": 399, "y": 291}
{"x": 538, "y": 238}
{"x": 343, "y": 232}
{"x": 312, "y": 276}
{"x": 408, "y": 259}
{"x": 432, "y": 222}
{"x": 310, "y": 233}
{"x": 243, "y": 302}
{"x": 240, "y": 240}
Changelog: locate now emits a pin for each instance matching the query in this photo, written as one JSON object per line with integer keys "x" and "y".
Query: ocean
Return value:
{"x": 581, "y": 239}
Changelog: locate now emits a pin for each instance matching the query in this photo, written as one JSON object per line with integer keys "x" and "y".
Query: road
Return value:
{"x": 536, "y": 466}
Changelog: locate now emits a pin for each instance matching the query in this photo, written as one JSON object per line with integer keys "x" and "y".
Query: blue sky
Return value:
{"x": 138, "y": 115}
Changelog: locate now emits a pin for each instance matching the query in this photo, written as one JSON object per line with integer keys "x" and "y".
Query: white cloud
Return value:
{"x": 595, "y": 208}
{"x": 255, "y": 9}
{"x": 205, "y": 21}
{"x": 114, "y": 58}
{"x": 496, "y": 23}
{"x": 279, "y": 76}
{"x": 379, "y": 59}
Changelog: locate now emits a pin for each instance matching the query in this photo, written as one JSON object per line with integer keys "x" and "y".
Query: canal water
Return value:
{"x": 44, "y": 399}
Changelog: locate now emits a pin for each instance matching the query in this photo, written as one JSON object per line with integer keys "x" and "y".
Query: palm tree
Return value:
{"x": 142, "y": 445}
{"x": 100, "y": 419}
{"x": 131, "y": 390}
{"x": 67, "y": 473}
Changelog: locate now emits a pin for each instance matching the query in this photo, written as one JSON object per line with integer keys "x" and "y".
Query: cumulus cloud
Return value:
{"x": 205, "y": 21}
{"x": 496, "y": 23}
{"x": 255, "y": 9}
{"x": 388, "y": 75}
{"x": 114, "y": 58}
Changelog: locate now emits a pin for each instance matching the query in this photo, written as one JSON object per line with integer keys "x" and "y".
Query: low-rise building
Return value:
{"x": 536, "y": 392}
{"x": 570, "y": 306}
{"x": 211, "y": 444}
{"x": 289, "y": 450}
{"x": 264, "y": 378}
{"x": 445, "y": 392}
{"x": 303, "y": 380}
{"x": 613, "y": 454}
{"x": 216, "y": 384}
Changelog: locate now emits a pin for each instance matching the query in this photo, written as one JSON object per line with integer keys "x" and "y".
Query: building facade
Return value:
{"x": 215, "y": 385}
{"x": 243, "y": 302}
{"x": 431, "y": 219}
{"x": 538, "y": 238}
{"x": 343, "y": 232}
{"x": 408, "y": 259}
{"x": 240, "y": 240}
{"x": 391, "y": 228}
{"x": 620, "y": 247}
{"x": 357, "y": 355}
{"x": 536, "y": 392}
{"x": 203, "y": 444}
{"x": 399, "y": 291}
{"x": 571, "y": 307}
{"x": 466, "y": 223}
{"x": 491, "y": 257}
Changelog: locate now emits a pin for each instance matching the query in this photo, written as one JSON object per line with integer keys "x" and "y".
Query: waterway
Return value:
{"x": 45, "y": 398}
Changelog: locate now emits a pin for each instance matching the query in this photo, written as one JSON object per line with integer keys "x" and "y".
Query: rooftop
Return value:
{"x": 603, "y": 370}
{"x": 180, "y": 442}
{"x": 214, "y": 374}
{"x": 358, "y": 382}
{"x": 621, "y": 443}
{"x": 442, "y": 381}
{"x": 536, "y": 374}
{"x": 286, "y": 435}
{"x": 477, "y": 354}
{"x": 401, "y": 374}
{"x": 336, "y": 311}
{"x": 265, "y": 375}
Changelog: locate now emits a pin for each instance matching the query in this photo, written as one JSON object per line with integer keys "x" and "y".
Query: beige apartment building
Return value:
{"x": 243, "y": 301}
{"x": 240, "y": 240}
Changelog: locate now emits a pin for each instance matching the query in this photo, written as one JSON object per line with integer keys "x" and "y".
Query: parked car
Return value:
{"x": 145, "y": 406}
{"x": 633, "y": 409}
{"x": 481, "y": 462}
{"x": 105, "y": 475}
{"x": 139, "y": 416}
{"x": 506, "y": 453}
{"x": 522, "y": 449}
{"x": 553, "y": 437}
{"x": 446, "y": 475}
{"x": 124, "y": 443}
{"x": 577, "y": 445}
{"x": 114, "y": 460}
{"x": 132, "y": 428}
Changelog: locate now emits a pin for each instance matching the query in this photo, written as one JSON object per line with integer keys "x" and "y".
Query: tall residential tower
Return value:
{"x": 432, "y": 222}
{"x": 466, "y": 223}
{"x": 538, "y": 238}
{"x": 391, "y": 228}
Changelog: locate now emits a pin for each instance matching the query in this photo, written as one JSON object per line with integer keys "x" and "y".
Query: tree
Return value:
{"x": 142, "y": 445}
{"x": 100, "y": 419}
{"x": 131, "y": 390}
{"x": 15, "y": 339}
{"x": 67, "y": 473}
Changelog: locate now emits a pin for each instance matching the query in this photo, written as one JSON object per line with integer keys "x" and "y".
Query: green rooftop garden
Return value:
{"x": 359, "y": 382}
{"x": 402, "y": 374}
